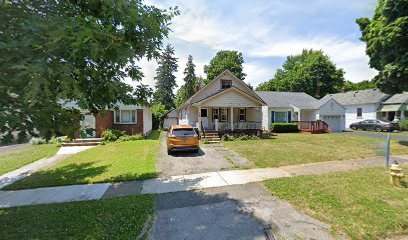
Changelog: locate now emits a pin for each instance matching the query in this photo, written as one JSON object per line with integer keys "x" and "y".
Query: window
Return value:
{"x": 125, "y": 116}
{"x": 281, "y": 117}
{"x": 226, "y": 84}
{"x": 359, "y": 112}
{"x": 242, "y": 114}
{"x": 383, "y": 114}
{"x": 215, "y": 113}
{"x": 204, "y": 112}
{"x": 223, "y": 115}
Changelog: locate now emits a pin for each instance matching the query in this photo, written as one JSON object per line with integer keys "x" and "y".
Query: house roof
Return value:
{"x": 300, "y": 100}
{"x": 358, "y": 97}
{"x": 398, "y": 98}
{"x": 257, "y": 98}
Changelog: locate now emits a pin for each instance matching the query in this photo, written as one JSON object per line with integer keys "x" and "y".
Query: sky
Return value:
{"x": 266, "y": 32}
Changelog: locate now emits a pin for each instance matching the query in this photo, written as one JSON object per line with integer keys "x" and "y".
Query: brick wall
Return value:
{"x": 104, "y": 121}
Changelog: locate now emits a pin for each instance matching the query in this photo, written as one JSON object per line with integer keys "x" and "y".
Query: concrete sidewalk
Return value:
{"x": 178, "y": 183}
{"x": 27, "y": 170}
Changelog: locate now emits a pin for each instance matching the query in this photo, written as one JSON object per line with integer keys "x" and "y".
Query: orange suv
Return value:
{"x": 182, "y": 138}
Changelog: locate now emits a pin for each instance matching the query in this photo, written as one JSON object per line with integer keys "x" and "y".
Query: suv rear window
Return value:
{"x": 183, "y": 132}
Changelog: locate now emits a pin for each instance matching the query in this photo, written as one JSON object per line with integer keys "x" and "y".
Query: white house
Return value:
{"x": 226, "y": 103}
{"x": 360, "y": 105}
{"x": 288, "y": 107}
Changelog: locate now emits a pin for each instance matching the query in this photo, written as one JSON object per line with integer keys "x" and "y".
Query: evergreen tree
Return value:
{"x": 190, "y": 78}
{"x": 165, "y": 79}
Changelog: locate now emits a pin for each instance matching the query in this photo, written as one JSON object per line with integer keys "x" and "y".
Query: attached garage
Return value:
{"x": 333, "y": 114}
{"x": 334, "y": 122}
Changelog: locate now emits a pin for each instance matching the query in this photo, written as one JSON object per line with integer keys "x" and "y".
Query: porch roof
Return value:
{"x": 392, "y": 108}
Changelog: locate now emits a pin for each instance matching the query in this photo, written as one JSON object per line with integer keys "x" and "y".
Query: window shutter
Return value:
{"x": 289, "y": 116}
{"x": 273, "y": 116}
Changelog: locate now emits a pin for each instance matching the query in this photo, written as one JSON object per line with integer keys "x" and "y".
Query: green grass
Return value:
{"x": 154, "y": 135}
{"x": 14, "y": 160}
{"x": 132, "y": 160}
{"x": 115, "y": 218}
{"x": 296, "y": 148}
{"x": 361, "y": 203}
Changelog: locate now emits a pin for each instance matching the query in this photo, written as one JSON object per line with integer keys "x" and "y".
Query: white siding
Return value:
{"x": 147, "y": 121}
{"x": 369, "y": 112}
{"x": 266, "y": 118}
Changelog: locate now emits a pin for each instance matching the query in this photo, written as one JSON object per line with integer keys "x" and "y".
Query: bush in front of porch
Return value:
{"x": 284, "y": 127}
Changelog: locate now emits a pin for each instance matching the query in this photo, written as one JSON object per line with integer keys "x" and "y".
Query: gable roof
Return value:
{"x": 300, "y": 100}
{"x": 398, "y": 98}
{"x": 358, "y": 97}
{"x": 229, "y": 90}
{"x": 189, "y": 101}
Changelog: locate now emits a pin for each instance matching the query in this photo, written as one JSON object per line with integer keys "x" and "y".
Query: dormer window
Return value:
{"x": 226, "y": 84}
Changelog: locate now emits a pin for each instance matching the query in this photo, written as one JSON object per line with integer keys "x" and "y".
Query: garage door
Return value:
{"x": 334, "y": 122}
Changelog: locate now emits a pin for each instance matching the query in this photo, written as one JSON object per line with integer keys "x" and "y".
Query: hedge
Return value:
{"x": 403, "y": 125}
{"x": 284, "y": 127}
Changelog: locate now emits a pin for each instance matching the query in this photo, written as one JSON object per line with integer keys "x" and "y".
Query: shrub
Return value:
{"x": 112, "y": 135}
{"x": 284, "y": 127}
{"x": 227, "y": 138}
{"x": 37, "y": 141}
{"x": 403, "y": 125}
{"x": 126, "y": 138}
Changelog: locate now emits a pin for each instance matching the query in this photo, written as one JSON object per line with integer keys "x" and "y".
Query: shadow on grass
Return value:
{"x": 67, "y": 175}
{"x": 73, "y": 174}
{"x": 405, "y": 143}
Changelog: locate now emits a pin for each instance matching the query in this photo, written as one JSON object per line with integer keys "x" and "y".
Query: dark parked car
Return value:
{"x": 377, "y": 125}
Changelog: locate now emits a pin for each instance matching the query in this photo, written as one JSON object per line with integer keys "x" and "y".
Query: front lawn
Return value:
{"x": 361, "y": 203}
{"x": 297, "y": 148}
{"x": 14, "y": 160}
{"x": 115, "y": 218}
{"x": 132, "y": 160}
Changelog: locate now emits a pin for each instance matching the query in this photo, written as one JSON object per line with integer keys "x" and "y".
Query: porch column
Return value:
{"x": 232, "y": 119}
{"x": 299, "y": 115}
{"x": 199, "y": 118}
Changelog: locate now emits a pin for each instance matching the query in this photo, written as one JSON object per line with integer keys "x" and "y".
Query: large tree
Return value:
{"x": 311, "y": 72}
{"x": 386, "y": 36}
{"x": 366, "y": 84}
{"x": 74, "y": 50}
{"x": 226, "y": 59}
{"x": 190, "y": 77}
{"x": 165, "y": 78}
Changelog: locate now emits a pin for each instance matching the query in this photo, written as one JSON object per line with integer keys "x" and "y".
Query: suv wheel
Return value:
{"x": 169, "y": 151}
{"x": 378, "y": 129}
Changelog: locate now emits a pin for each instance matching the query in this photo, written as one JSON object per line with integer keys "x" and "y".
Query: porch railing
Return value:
{"x": 312, "y": 126}
{"x": 239, "y": 125}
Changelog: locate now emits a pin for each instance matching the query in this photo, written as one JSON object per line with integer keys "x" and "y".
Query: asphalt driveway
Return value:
{"x": 397, "y": 136}
{"x": 210, "y": 158}
{"x": 233, "y": 212}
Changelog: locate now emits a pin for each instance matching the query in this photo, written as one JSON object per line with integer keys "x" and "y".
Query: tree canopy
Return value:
{"x": 366, "y": 84}
{"x": 226, "y": 59}
{"x": 165, "y": 78}
{"x": 55, "y": 51}
{"x": 386, "y": 38}
{"x": 190, "y": 83}
{"x": 311, "y": 72}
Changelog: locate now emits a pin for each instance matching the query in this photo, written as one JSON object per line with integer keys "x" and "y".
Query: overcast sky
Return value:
{"x": 266, "y": 32}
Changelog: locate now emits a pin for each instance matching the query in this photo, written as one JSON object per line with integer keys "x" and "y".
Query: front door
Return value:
{"x": 204, "y": 117}
{"x": 87, "y": 123}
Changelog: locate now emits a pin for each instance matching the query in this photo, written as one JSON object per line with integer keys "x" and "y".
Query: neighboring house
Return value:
{"x": 171, "y": 119}
{"x": 396, "y": 107}
{"x": 224, "y": 104}
{"x": 360, "y": 105}
{"x": 285, "y": 107}
{"x": 132, "y": 119}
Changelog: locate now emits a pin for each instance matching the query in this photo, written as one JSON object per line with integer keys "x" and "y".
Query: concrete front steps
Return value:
{"x": 211, "y": 137}
{"x": 83, "y": 142}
